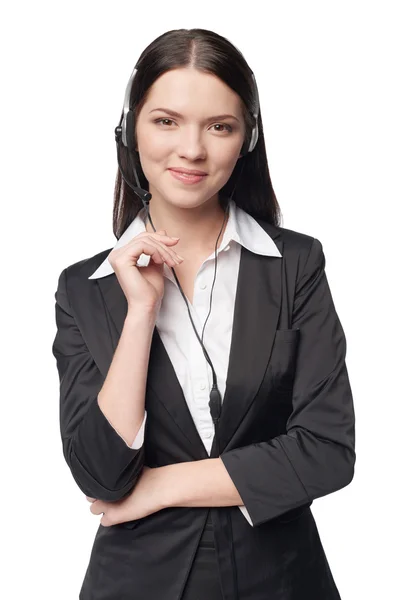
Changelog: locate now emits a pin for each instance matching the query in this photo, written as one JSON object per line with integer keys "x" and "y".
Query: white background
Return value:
{"x": 328, "y": 76}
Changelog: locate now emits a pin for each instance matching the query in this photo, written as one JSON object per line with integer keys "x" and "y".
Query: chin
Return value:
{"x": 186, "y": 200}
{"x": 185, "y": 197}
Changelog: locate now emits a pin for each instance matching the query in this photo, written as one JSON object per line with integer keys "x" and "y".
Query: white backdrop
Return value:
{"x": 328, "y": 78}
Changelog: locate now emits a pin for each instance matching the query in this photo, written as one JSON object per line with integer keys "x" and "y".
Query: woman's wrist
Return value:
{"x": 139, "y": 315}
{"x": 167, "y": 486}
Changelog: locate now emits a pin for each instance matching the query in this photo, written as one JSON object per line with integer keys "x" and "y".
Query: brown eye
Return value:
{"x": 228, "y": 127}
{"x": 163, "y": 120}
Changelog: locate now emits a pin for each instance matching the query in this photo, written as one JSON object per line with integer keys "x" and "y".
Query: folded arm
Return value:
{"x": 101, "y": 462}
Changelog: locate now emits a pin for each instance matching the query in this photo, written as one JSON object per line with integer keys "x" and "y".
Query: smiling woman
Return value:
{"x": 196, "y": 148}
{"x": 203, "y": 458}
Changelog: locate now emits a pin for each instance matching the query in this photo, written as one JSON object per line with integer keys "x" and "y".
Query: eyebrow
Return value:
{"x": 173, "y": 113}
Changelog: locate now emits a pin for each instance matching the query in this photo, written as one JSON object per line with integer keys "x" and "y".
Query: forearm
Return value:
{"x": 122, "y": 396}
{"x": 198, "y": 483}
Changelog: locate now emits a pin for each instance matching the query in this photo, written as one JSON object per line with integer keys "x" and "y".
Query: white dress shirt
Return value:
{"x": 173, "y": 323}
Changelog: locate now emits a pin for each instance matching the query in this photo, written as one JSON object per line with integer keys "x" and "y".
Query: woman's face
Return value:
{"x": 181, "y": 126}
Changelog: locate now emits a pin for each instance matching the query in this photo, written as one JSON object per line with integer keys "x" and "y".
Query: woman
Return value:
{"x": 203, "y": 456}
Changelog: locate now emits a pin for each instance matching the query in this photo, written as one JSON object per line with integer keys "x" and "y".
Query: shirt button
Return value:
{"x": 203, "y": 286}
{"x": 208, "y": 434}
{"x": 202, "y": 386}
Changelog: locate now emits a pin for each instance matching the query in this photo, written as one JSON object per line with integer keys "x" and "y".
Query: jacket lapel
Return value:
{"x": 256, "y": 314}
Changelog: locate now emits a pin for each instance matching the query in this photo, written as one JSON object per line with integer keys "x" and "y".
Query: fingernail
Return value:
{"x": 175, "y": 238}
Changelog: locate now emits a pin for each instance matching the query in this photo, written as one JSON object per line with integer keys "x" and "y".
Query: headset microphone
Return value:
{"x": 144, "y": 195}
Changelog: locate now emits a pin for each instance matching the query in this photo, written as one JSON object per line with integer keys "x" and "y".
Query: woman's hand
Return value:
{"x": 144, "y": 286}
{"x": 145, "y": 499}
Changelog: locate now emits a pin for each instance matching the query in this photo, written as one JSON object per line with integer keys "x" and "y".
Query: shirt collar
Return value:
{"x": 241, "y": 228}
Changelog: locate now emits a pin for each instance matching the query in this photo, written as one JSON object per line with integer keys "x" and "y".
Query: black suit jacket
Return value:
{"x": 287, "y": 432}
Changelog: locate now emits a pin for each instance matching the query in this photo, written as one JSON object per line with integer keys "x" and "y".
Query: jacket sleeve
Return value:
{"x": 316, "y": 454}
{"x": 101, "y": 462}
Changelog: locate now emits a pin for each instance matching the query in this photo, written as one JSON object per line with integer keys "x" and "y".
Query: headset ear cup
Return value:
{"x": 246, "y": 145}
{"x": 253, "y": 141}
{"x": 129, "y": 131}
{"x": 254, "y": 138}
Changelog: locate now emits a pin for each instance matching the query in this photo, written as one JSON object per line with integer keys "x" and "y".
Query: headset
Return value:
{"x": 124, "y": 134}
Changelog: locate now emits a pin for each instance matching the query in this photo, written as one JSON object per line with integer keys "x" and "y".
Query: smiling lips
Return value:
{"x": 188, "y": 176}
{"x": 188, "y": 171}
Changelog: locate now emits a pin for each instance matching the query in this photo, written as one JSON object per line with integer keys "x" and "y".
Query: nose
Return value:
{"x": 191, "y": 144}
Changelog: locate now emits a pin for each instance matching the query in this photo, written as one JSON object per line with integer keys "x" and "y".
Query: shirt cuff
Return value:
{"x": 246, "y": 514}
{"x": 138, "y": 441}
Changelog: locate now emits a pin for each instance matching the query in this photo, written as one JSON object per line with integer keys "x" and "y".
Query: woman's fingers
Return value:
{"x": 160, "y": 241}
{"x": 102, "y": 508}
{"x": 150, "y": 240}
{"x": 145, "y": 245}
{"x": 97, "y": 507}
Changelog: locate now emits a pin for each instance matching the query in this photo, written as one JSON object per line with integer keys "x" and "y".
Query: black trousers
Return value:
{"x": 203, "y": 580}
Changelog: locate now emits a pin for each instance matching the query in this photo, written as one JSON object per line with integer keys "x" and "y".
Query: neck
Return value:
{"x": 198, "y": 228}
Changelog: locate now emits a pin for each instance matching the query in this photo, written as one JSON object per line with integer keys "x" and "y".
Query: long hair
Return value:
{"x": 211, "y": 53}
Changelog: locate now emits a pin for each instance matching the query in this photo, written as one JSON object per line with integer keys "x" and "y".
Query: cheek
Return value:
{"x": 152, "y": 147}
{"x": 222, "y": 156}
{"x": 153, "y": 157}
{"x": 153, "y": 150}
{"x": 224, "y": 164}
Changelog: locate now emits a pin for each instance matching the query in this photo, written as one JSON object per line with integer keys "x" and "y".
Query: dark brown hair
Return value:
{"x": 211, "y": 53}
